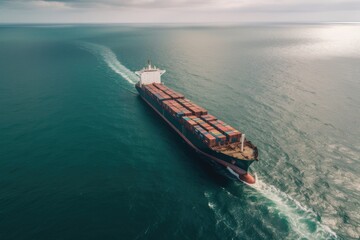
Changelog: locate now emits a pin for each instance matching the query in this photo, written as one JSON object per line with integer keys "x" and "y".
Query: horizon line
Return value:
{"x": 184, "y": 23}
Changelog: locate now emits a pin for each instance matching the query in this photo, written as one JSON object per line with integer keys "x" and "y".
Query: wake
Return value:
{"x": 105, "y": 54}
{"x": 298, "y": 216}
{"x": 303, "y": 221}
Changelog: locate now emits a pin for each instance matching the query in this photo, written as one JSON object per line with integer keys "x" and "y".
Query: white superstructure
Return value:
{"x": 150, "y": 74}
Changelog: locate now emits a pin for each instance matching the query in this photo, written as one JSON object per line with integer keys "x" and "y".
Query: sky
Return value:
{"x": 178, "y": 11}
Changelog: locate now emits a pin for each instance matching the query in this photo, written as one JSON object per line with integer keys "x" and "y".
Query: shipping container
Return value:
{"x": 220, "y": 138}
{"x": 232, "y": 135}
{"x": 210, "y": 140}
{"x": 208, "y": 117}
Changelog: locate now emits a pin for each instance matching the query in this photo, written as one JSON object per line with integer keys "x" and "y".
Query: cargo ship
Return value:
{"x": 212, "y": 139}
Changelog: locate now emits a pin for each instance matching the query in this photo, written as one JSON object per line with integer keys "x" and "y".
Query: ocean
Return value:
{"x": 83, "y": 157}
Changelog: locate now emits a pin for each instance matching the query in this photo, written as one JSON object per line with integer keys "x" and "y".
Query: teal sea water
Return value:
{"x": 82, "y": 157}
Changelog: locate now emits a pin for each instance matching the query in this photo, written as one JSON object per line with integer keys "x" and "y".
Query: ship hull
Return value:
{"x": 239, "y": 170}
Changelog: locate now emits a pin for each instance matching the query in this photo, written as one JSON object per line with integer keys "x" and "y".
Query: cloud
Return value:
{"x": 244, "y": 5}
{"x": 50, "y": 4}
{"x": 113, "y": 3}
{"x": 181, "y": 10}
{"x": 35, "y": 4}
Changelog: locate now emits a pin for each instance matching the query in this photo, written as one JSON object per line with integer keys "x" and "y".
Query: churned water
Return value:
{"x": 82, "y": 157}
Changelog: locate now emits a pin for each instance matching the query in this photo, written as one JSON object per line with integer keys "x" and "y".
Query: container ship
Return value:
{"x": 212, "y": 139}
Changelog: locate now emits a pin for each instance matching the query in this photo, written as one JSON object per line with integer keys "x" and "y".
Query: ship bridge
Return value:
{"x": 150, "y": 74}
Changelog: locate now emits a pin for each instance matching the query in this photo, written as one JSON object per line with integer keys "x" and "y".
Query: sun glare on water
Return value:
{"x": 341, "y": 40}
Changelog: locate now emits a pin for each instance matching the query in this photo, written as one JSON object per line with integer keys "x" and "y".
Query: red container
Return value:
{"x": 207, "y": 128}
{"x": 189, "y": 124}
{"x": 204, "y": 111}
{"x": 210, "y": 140}
{"x": 187, "y": 112}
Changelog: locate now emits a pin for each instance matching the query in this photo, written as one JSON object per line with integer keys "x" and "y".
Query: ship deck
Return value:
{"x": 234, "y": 150}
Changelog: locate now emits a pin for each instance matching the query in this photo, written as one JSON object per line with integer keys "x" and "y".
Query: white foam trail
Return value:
{"x": 301, "y": 219}
{"x": 109, "y": 57}
{"x": 297, "y": 214}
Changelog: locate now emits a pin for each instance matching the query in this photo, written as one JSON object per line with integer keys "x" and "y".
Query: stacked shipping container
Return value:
{"x": 205, "y": 136}
{"x": 201, "y": 122}
{"x": 175, "y": 108}
{"x": 212, "y": 136}
{"x": 156, "y": 93}
{"x": 195, "y": 118}
{"x": 208, "y": 117}
{"x": 195, "y": 109}
{"x": 168, "y": 91}
{"x": 232, "y": 135}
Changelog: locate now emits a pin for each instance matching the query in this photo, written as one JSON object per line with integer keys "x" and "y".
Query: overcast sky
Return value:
{"x": 178, "y": 11}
